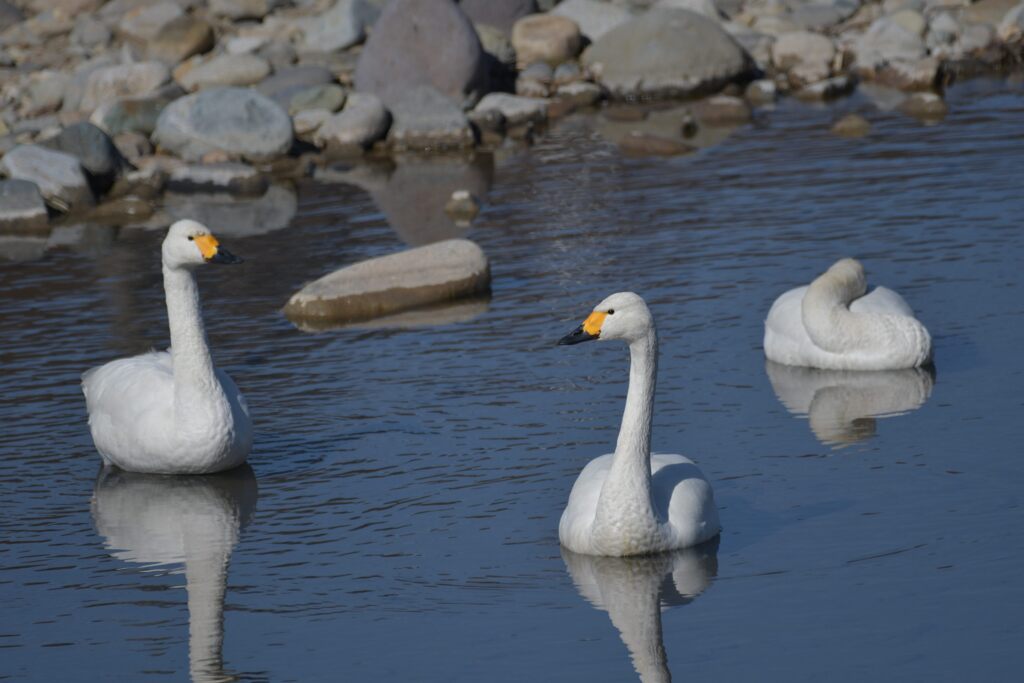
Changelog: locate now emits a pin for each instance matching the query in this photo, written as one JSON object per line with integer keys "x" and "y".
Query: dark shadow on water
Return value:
{"x": 164, "y": 521}
{"x": 451, "y": 313}
{"x": 635, "y": 590}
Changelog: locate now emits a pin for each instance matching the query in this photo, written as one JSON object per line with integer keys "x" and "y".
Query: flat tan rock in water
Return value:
{"x": 432, "y": 274}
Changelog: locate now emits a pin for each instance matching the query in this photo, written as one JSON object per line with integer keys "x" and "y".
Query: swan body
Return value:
{"x": 836, "y": 324}
{"x": 172, "y": 412}
{"x": 631, "y": 502}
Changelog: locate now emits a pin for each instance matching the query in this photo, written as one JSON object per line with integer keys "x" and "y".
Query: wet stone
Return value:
{"x": 22, "y": 208}
{"x": 723, "y": 110}
{"x": 638, "y": 143}
{"x": 851, "y": 126}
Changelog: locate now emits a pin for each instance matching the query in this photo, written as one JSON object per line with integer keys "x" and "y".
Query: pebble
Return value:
{"x": 432, "y": 274}
{"x": 463, "y": 206}
{"x": 226, "y": 70}
{"x": 852, "y": 126}
{"x": 924, "y": 105}
{"x": 180, "y": 39}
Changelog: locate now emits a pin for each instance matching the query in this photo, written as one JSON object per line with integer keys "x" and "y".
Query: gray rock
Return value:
{"x": 145, "y": 22}
{"x": 433, "y": 274}
{"x": 21, "y": 207}
{"x": 235, "y": 216}
{"x": 426, "y": 119}
{"x": 567, "y": 72}
{"x": 230, "y": 177}
{"x": 806, "y": 56}
{"x": 531, "y": 87}
{"x": 126, "y": 80}
{"x": 762, "y": 91}
{"x": 638, "y": 143}
{"x": 95, "y": 152}
{"x": 146, "y": 182}
{"x": 226, "y": 70}
{"x": 516, "y": 110}
{"x": 920, "y": 74}
{"x": 852, "y": 126}
{"x": 133, "y": 145}
{"x": 235, "y": 120}
{"x": 462, "y": 207}
{"x": 666, "y": 53}
{"x": 244, "y": 9}
{"x": 417, "y": 42}
{"x": 910, "y": 19}
{"x": 545, "y": 38}
{"x": 90, "y": 33}
{"x": 9, "y": 15}
{"x": 593, "y": 17}
{"x": 133, "y": 114}
{"x": 496, "y": 43}
{"x": 180, "y": 39}
{"x": 286, "y": 83}
{"x": 79, "y": 80}
{"x": 887, "y": 41}
{"x": 821, "y": 16}
{"x": 579, "y": 93}
{"x": 1011, "y": 27}
{"x": 307, "y": 122}
{"x": 501, "y": 14}
{"x": 538, "y": 71}
{"x": 44, "y": 93}
{"x": 58, "y": 176}
{"x": 363, "y": 121}
{"x": 706, "y": 8}
{"x": 924, "y": 105}
{"x": 338, "y": 28}
{"x": 328, "y": 97}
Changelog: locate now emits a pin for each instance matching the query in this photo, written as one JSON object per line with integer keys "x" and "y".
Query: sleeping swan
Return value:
{"x": 172, "y": 412}
{"x": 833, "y": 324}
{"x": 632, "y": 501}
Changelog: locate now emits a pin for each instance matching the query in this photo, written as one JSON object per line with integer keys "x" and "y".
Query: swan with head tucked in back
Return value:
{"x": 172, "y": 412}
{"x": 836, "y": 324}
{"x": 632, "y": 501}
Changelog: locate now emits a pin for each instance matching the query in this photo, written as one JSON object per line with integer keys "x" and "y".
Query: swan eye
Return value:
{"x": 191, "y": 237}
{"x": 611, "y": 311}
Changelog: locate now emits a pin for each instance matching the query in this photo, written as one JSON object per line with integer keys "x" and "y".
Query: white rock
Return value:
{"x": 807, "y": 55}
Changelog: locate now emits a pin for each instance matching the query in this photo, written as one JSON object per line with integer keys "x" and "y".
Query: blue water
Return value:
{"x": 400, "y": 518}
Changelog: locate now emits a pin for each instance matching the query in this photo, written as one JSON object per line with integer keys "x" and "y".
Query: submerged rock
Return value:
{"x": 666, "y": 53}
{"x": 433, "y": 274}
{"x": 638, "y": 143}
{"x": 463, "y": 206}
{"x": 238, "y": 121}
{"x": 852, "y": 126}
{"x": 59, "y": 176}
{"x": 926, "y": 106}
{"x": 234, "y": 216}
{"x": 723, "y": 110}
{"x": 22, "y": 208}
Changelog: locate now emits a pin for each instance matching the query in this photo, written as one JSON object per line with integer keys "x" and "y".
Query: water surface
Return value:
{"x": 400, "y": 518}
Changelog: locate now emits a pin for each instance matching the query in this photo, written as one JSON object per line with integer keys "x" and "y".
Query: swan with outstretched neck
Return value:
{"x": 632, "y": 501}
{"x": 836, "y": 324}
{"x": 172, "y": 412}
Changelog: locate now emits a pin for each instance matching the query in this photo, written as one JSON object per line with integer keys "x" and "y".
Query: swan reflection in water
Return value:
{"x": 635, "y": 590}
{"x": 842, "y": 405}
{"x": 195, "y": 521}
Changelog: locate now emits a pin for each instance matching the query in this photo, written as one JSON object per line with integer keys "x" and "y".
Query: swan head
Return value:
{"x": 189, "y": 244}
{"x": 621, "y": 316}
{"x": 846, "y": 276}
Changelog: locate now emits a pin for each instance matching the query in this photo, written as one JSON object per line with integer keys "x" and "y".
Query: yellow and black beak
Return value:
{"x": 588, "y": 331}
{"x": 213, "y": 252}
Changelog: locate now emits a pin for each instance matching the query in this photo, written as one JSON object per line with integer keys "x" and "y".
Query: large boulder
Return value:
{"x": 58, "y": 176}
{"x": 594, "y": 18}
{"x": 426, "y": 119}
{"x": 238, "y": 121}
{"x": 21, "y": 207}
{"x": 501, "y": 14}
{"x": 433, "y": 274}
{"x": 666, "y": 53}
{"x": 417, "y": 42}
{"x": 95, "y": 151}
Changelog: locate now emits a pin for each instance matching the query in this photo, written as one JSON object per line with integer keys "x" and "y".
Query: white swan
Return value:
{"x": 635, "y": 590}
{"x": 842, "y": 405}
{"x": 834, "y": 324}
{"x": 172, "y": 412}
{"x": 192, "y": 521}
{"x": 632, "y": 501}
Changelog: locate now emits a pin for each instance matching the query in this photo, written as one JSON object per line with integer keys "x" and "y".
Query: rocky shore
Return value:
{"x": 110, "y": 107}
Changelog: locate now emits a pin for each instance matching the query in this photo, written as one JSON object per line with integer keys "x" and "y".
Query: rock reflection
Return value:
{"x": 446, "y": 314}
{"x": 160, "y": 520}
{"x": 236, "y": 216}
{"x": 21, "y": 248}
{"x": 842, "y": 405}
{"x": 665, "y": 123}
{"x": 412, "y": 192}
{"x": 635, "y": 590}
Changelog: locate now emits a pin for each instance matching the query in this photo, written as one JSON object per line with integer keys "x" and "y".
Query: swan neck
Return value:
{"x": 826, "y": 314}
{"x": 190, "y": 353}
{"x": 634, "y": 442}
{"x": 206, "y": 584}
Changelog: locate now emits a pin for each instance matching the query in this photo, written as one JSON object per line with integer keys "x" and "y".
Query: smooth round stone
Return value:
{"x": 516, "y": 110}
{"x": 545, "y": 38}
{"x": 432, "y": 274}
{"x": 595, "y": 18}
{"x": 924, "y": 105}
{"x": 145, "y": 23}
{"x": 180, "y": 39}
{"x": 363, "y": 121}
{"x": 238, "y": 121}
{"x": 341, "y": 26}
{"x": 125, "y": 80}
{"x": 22, "y": 208}
{"x": 226, "y": 70}
{"x": 59, "y": 176}
{"x": 463, "y": 206}
{"x": 425, "y": 119}
{"x": 501, "y": 14}
{"x": 93, "y": 149}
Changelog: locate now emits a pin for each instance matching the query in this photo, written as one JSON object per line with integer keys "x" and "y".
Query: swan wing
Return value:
{"x": 683, "y": 500}
{"x": 126, "y": 398}
{"x": 578, "y": 516}
{"x": 882, "y": 300}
